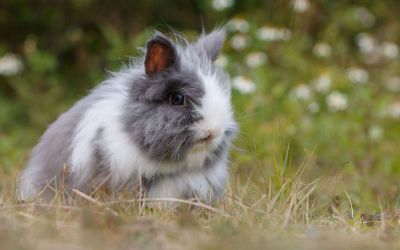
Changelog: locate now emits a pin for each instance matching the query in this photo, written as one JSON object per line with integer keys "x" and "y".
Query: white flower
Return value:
{"x": 222, "y": 61}
{"x": 313, "y": 107}
{"x": 394, "y": 110}
{"x": 302, "y": 92}
{"x": 239, "y": 42}
{"x": 364, "y": 16}
{"x": 256, "y": 59}
{"x": 10, "y": 64}
{"x": 243, "y": 84}
{"x": 221, "y": 4}
{"x": 322, "y": 50}
{"x": 323, "y": 83}
{"x": 375, "y": 133}
{"x": 357, "y": 75}
{"x": 268, "y": 33}
{"x": 393, "y": 84}
{"x": 300, "y": 6}
{"x": 238, "y": 24}
{"x": 336, "y": 101}
{"x": 366, "y": 43}
{"x": 390, "y": 50}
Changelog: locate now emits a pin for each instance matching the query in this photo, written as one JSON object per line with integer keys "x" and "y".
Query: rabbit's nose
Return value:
{"x": 209, "y": 136}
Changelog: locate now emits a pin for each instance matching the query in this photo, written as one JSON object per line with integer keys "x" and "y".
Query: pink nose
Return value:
{"x": 208, "y": 136}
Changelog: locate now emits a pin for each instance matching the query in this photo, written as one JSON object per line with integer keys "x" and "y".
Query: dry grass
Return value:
{"x": 256, "y": 213}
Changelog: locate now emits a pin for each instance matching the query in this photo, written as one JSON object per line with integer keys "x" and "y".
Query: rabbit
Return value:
{"x": 164, "y": 122}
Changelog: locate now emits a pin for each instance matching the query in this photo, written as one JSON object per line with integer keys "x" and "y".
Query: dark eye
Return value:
{"x": 176, "y": 99}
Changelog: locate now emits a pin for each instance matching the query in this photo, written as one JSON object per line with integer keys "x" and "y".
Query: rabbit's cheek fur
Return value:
{"x": 215, "y": 111}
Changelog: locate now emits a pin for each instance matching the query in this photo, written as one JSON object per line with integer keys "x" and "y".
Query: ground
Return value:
{"x": 279, "y": 213}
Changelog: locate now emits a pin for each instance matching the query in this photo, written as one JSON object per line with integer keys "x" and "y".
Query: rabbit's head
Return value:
{"x": 181, "y": 103}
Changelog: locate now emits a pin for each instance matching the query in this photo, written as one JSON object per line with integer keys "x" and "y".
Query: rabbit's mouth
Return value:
{"x": 206, "y": 139}
{"x": 207, "y": 142}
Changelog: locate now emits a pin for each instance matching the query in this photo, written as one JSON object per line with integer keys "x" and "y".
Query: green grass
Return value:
{"x": 283, "y": 210}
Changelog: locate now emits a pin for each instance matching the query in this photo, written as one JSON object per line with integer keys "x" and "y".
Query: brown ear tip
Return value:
{"x": 160, "y": 55}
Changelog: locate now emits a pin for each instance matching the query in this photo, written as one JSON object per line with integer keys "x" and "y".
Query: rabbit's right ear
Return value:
{"x": 160, "y": 54}
{"x": 211, "y": 43}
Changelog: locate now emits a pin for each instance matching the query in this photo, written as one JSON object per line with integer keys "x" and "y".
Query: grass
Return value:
{"x": 281, "y": 211}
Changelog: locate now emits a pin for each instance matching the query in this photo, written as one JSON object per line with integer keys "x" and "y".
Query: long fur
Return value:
{"x": 126, "y": 132}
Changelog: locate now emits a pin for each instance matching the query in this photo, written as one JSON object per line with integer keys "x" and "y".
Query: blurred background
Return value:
{"x": 313, "y": 80}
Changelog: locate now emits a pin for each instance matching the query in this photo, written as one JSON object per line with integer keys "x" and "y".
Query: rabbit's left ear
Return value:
{"x": 160, "y": 54}
{"x": 211, "y": 43}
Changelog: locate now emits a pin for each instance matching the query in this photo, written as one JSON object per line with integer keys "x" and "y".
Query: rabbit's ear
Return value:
{"x": 211, "y": 43}
{"x": 160, "y": 54}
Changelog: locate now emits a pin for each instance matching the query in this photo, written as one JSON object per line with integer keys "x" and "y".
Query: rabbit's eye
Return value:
{"x": 176, "y": 99}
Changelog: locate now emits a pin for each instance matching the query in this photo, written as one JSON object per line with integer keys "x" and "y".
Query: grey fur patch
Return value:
{"x": 52, "y": 153}
{"x": 160, "y": 129}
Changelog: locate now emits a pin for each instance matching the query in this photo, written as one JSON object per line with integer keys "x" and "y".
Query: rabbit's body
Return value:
{"x": 163, "y": 125}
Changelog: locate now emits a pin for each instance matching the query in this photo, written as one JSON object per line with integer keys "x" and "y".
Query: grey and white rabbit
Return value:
{"x": 165, "y": 123}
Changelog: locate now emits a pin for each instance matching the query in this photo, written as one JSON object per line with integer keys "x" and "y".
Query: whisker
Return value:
{"x": 246, "y": 115}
